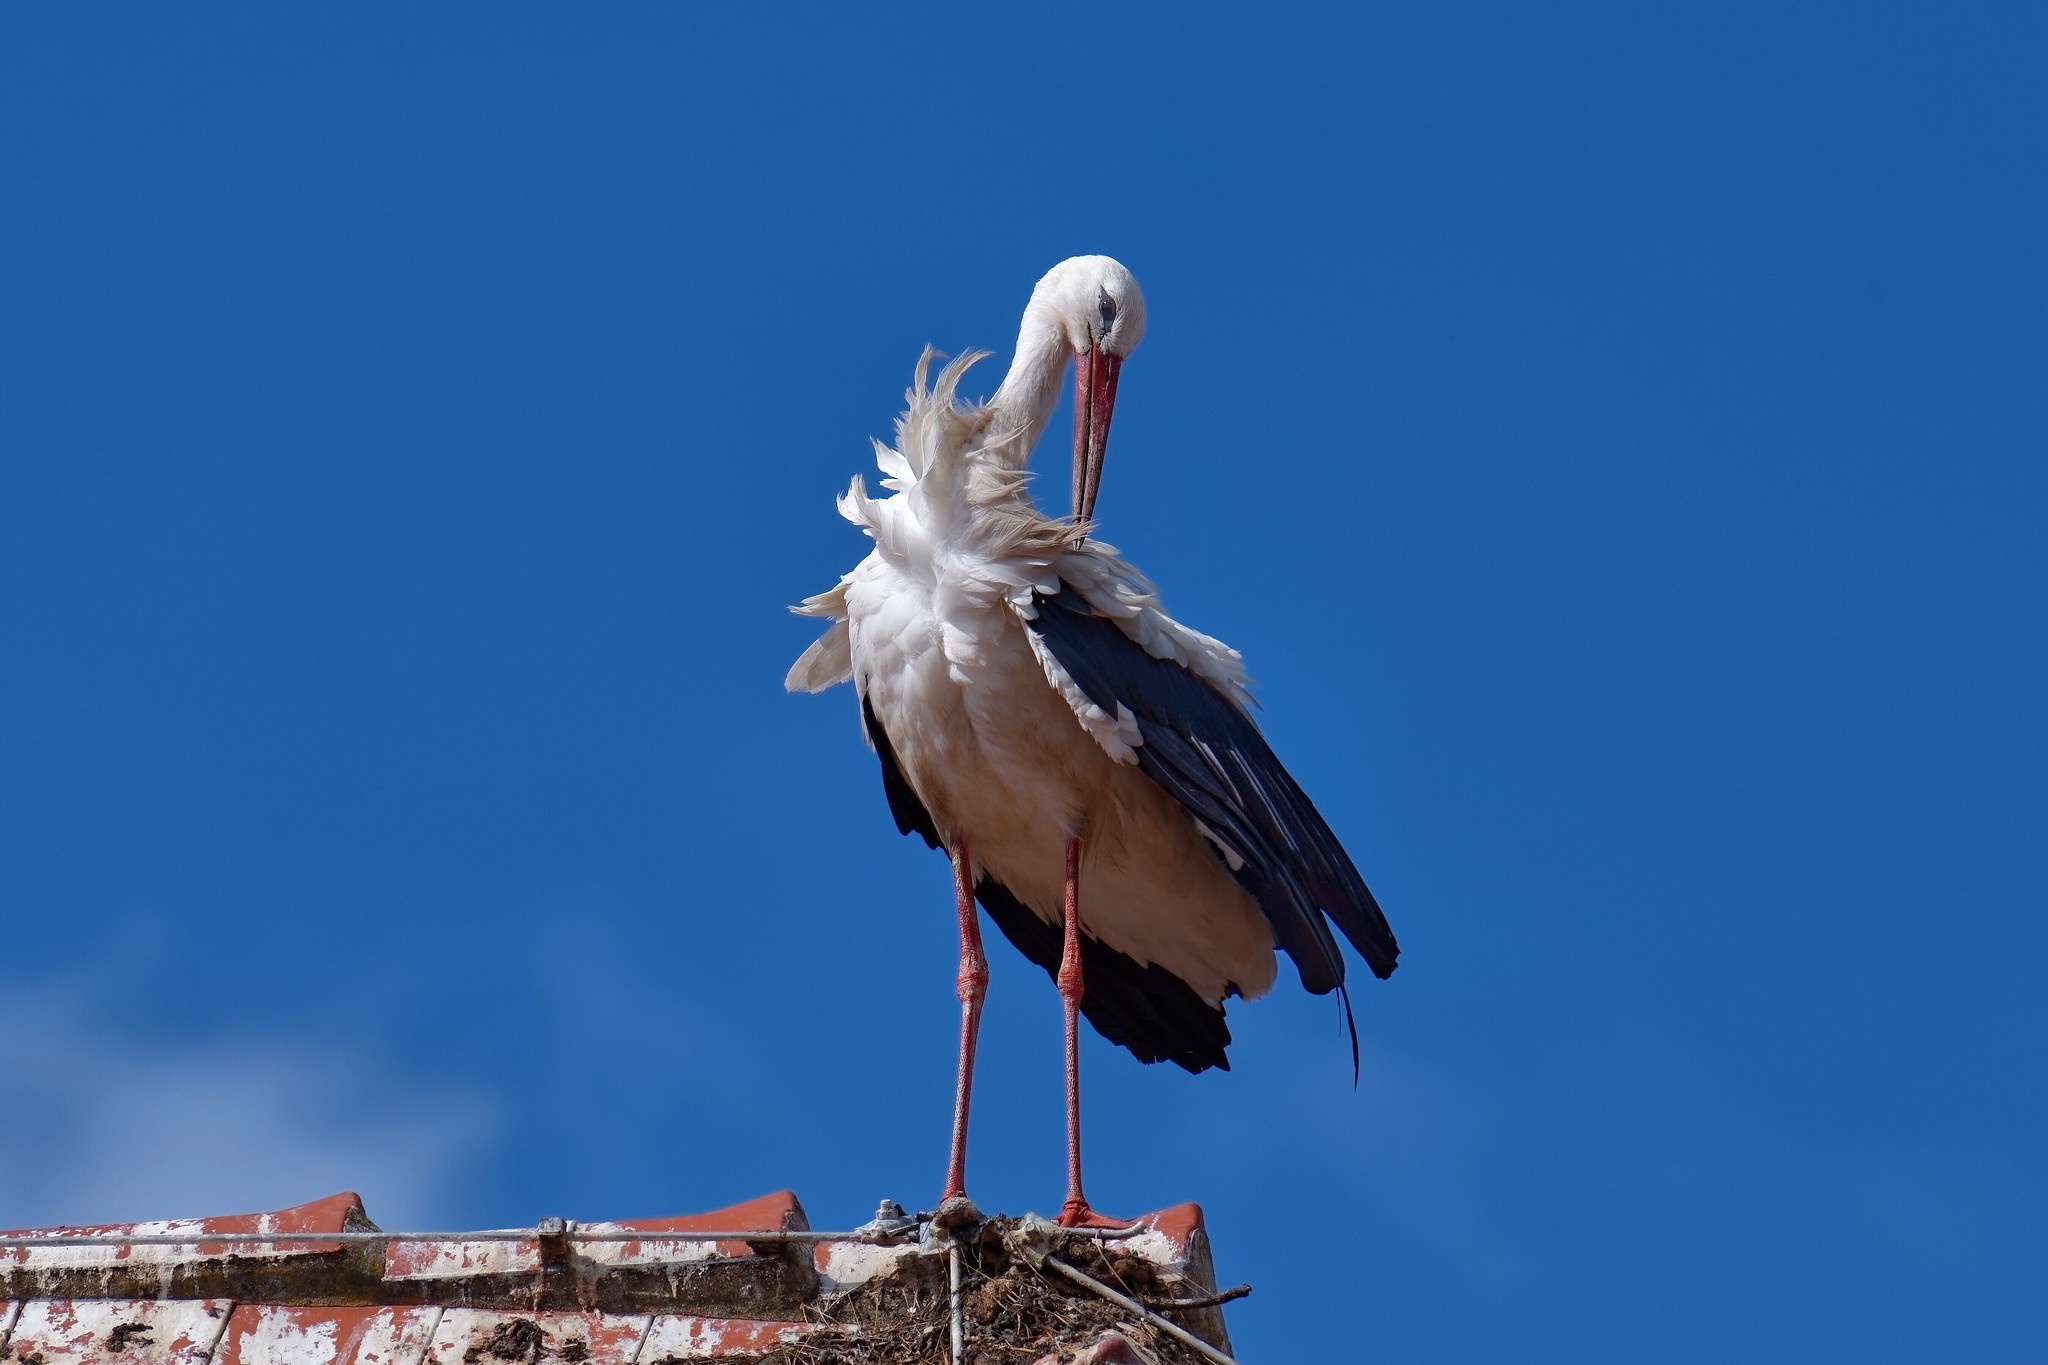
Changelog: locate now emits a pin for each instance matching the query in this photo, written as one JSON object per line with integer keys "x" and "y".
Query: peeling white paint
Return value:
{"x": 280, "y": 1337}
{"x": 681, "y": 1337}
{"x": 167, "y": 1255}
{"x": 441, "y": 1260}
{"x": 274, "y": 1335}
{"x": 177, "y": 1332}
{"x": 658, "y": 1247}
{"x": 67, "y": 1257}
{"x": 397, "y": 1336}
{"x": 1156, "y": 1247}
{"x": 846, "y": 1264}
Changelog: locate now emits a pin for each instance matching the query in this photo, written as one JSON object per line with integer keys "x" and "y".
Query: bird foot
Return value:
{"x": 1075, "y": 1213}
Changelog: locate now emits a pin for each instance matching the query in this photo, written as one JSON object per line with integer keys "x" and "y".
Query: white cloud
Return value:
{"x": 104, "y": 1119}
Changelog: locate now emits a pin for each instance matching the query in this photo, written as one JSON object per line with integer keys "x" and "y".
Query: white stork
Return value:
{"x": 1040, "y": 717}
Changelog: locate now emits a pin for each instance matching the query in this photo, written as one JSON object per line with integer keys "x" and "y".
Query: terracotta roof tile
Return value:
{"x": 481, "y": 1336}
{"x": 293, "y": 1334}
{"x": 156, "y": 1331}
{"x": 680, "y": 1337}
{"x": 555, "y": 1296}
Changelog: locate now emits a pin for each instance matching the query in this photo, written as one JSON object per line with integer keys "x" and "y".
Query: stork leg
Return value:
{"x": 972, "y": 986}
{"x": 1075, "y": 1212}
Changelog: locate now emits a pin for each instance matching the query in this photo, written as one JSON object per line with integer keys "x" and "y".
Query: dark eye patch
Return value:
{"x": 1105, "y": 309}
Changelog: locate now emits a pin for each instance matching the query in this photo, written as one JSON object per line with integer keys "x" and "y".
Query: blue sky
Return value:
{"x": 1614, "y": 438}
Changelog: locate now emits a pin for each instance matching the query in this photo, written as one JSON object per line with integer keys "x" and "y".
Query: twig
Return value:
{"x": 1172, "y": 1329}
{"x": 1215, "y": 1300}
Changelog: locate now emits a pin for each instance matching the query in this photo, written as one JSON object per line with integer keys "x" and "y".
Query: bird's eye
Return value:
{"x": 1105, "y": 309}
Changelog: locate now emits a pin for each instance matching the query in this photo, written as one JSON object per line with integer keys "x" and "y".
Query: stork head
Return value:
{"x": 1096, "y": 307}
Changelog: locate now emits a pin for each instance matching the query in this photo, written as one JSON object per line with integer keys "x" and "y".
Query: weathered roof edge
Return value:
{"x": 693, "y": 1297}
{"x": 663, "y": 1273}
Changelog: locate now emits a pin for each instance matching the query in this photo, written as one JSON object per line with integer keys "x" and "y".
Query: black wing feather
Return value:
{"x": 1209, "y": 756}
{"x": 911, "y": 816}
{"x": 1146, "y": 1009}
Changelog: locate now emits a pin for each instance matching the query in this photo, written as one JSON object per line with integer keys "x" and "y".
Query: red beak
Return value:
{"x": 1094, "y": 398}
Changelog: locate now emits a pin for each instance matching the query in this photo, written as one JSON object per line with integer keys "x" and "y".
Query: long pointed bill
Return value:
{"x": 1094, "y": 397}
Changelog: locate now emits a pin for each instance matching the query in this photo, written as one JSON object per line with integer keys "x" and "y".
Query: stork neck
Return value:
{"x": 1030, "y": 390}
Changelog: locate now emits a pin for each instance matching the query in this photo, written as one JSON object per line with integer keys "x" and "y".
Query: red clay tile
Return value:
{"x": 130, "y": 1332}
{"x": 677, "y": 1337}
{"x": 476, "y": 1336}
{"x": 777, "y": 1212}
{"x": 453, "y": 1260}
{"x": 270, "y": 1334}
{"x": 331, "y": 1214}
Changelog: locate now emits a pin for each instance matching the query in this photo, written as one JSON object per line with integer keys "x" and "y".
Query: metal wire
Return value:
{"x": 495, "y": 1235}
{"x": 959, "y": 1316}
{"x": 572, "y": 1233}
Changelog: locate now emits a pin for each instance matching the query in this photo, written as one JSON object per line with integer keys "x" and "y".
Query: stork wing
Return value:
{"x": 1210, "y": 757}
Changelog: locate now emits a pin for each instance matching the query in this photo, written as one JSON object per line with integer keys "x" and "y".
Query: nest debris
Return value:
{"x": 1016, "y": 1314}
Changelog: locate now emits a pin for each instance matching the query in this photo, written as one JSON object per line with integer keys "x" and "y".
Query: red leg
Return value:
{"x": 972, "y": 986}
{"x": 1075, "y": 1212}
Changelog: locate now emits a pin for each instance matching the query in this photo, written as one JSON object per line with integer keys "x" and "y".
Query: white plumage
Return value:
{"x": 999, "y": 742}
{"x": 1089, "y": 763}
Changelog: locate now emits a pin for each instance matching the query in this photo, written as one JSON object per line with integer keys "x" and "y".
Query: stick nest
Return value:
{"x": 1015, "y": 1313}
